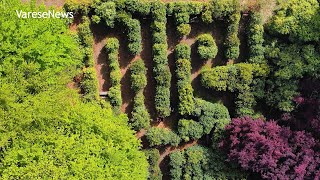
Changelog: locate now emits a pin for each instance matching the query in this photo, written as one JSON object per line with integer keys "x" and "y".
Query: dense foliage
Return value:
{"x": 189, "y": 129}
{"x": 47, "y": 131}
{"x": 183, "y": 73}
{"x": 160, "y": 136}
{"x": 300, "y": 20}
{"x": 107, "y": 12}
{"x": 206, "y": 47}
{"x": 153, "y": 157}
{"x": 273, "y": 151}
{"x": 198, "y": 162}
{"x": 232, "y": 42}
{"x": 161, "y": 69}
{"x": 140, "y": 116}
{"x": 112, "y": 47}
{"x": 240, "y": 78}
{"x": 133, "y": 33}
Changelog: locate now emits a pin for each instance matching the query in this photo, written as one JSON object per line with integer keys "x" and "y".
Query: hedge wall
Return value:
{"x": 133, "y": 33}
{"x": 112, "y": 47}
{"x": 183, "y": 73}
{"x": 140, "y": 117}
{"x": 255, "y": 38}
{"x": 189, "y": 129}
{"x": 161, "y": 69}
{"x": 236, "y": 78}
{"x": 89, "y": 82}
{"x": 160, "y": 137}
{"x": 232, "y": 42}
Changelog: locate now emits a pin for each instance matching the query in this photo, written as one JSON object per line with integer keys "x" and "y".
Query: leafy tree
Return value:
{"x": 273, "y": 151}
{"x": 300, "y": 20}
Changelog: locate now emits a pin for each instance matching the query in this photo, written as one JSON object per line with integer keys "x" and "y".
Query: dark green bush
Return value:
{"x": 176, "y": 165}
{"x": 153, "y": 157}
{"x": 206, "y": 46}
{"x": 183, "y": 29}
{"x": 140, "y": 117}
{"x": 86, "y": 40}
{"x": 133, "y": 32}
{"x": 158, "y": 11}
{"x": 189, "y": 129}
{"x": 232, "y": 42}
{"x": 80, "y": 6}
{"x": 255, "y": 38}
{"x": 141, "y": 7}
{"x": 107, "y": 12}
{"x": 206, "y": 15}
{"x": 114, "y": 95}
{"x": 162, "y": 101}
{"x": 160, "y": 136}
{"x": 138, "y": 75}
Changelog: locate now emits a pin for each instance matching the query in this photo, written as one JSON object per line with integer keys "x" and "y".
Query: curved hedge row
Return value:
{"x": 89, "y": 83}
{"x": 161, "y": 69}
{"x": 133, "y": 33}
{"x": 160, "y": 136}
{"x": 255, "y": 39}
{"x": 206, "y": 46}
{"x": 112, "y": 47}
{"x": 236, "y": 78}
{"x": 107, "y": 12}
{"x": 140, "y": 117}
{"x": 183, "y": 72}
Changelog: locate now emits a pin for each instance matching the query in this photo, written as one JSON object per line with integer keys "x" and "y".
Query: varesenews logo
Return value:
{"x": 47, "y": 14}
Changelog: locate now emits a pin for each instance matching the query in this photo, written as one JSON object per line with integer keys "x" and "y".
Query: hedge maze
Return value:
{"x": 194, "y": 116}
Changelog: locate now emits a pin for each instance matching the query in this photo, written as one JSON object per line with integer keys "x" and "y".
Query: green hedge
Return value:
{"x": 133, "y": 33}
{"x": 176, "y": 165}
{"x": 206, "y": 46}
{"x": 238, "y": 78}
{"x": 89, "y": 82}
{"x": 161, "y": 69}
{"x": 153, "y": 157}
{"x": 107, "y": 12}
{"x": 138, "y": 75}
{"x": 255, "y": 38}
{"x": 140, "y": 7}
{"x": 183, "y": 73}
{"x": 160, "y": 137}
{"x": 224, "y": 8}
{"x": 114, "y": 94}
{"x": 232, "y": 42}
{"x": 140, "y": 117}
{"x": 189, "y": 129}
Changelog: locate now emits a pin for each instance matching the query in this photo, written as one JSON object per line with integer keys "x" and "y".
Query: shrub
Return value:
{"x": 89, "y": 84}
{"x": 198, "y": 162}
{"x": 255, "y": 38}
{"x": 142, "y": 7}
{"x": 223, "y": 8}
{"x": 176, "y": 165}
{"x": 270, "y": 150}
{"x": 183, "y": 72}
{"x": 183, "y": 29}
{"x": 114, "y": 94}
{"x": 140, "y": 117}
{"x": 161, "y": 70}
{"x": 82, "y": 6}
{"x": 86, "y": 40}
{"x": 182, "y": 51}
{"x": 206, "y": 15}
{"x": 160, "y": 136}
{"x": 153, "y": 157}
{"x": 133, "y": 32}
{"x": 189, "y": 129}
{"x": 107, "y": 12}
{"x": 206, "y": 47}
{"x": 232, "y": 42}
{"x": 138, "y": 75}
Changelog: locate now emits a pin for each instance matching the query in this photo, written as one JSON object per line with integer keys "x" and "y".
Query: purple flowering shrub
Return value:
{"x": 272, "y": 151}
